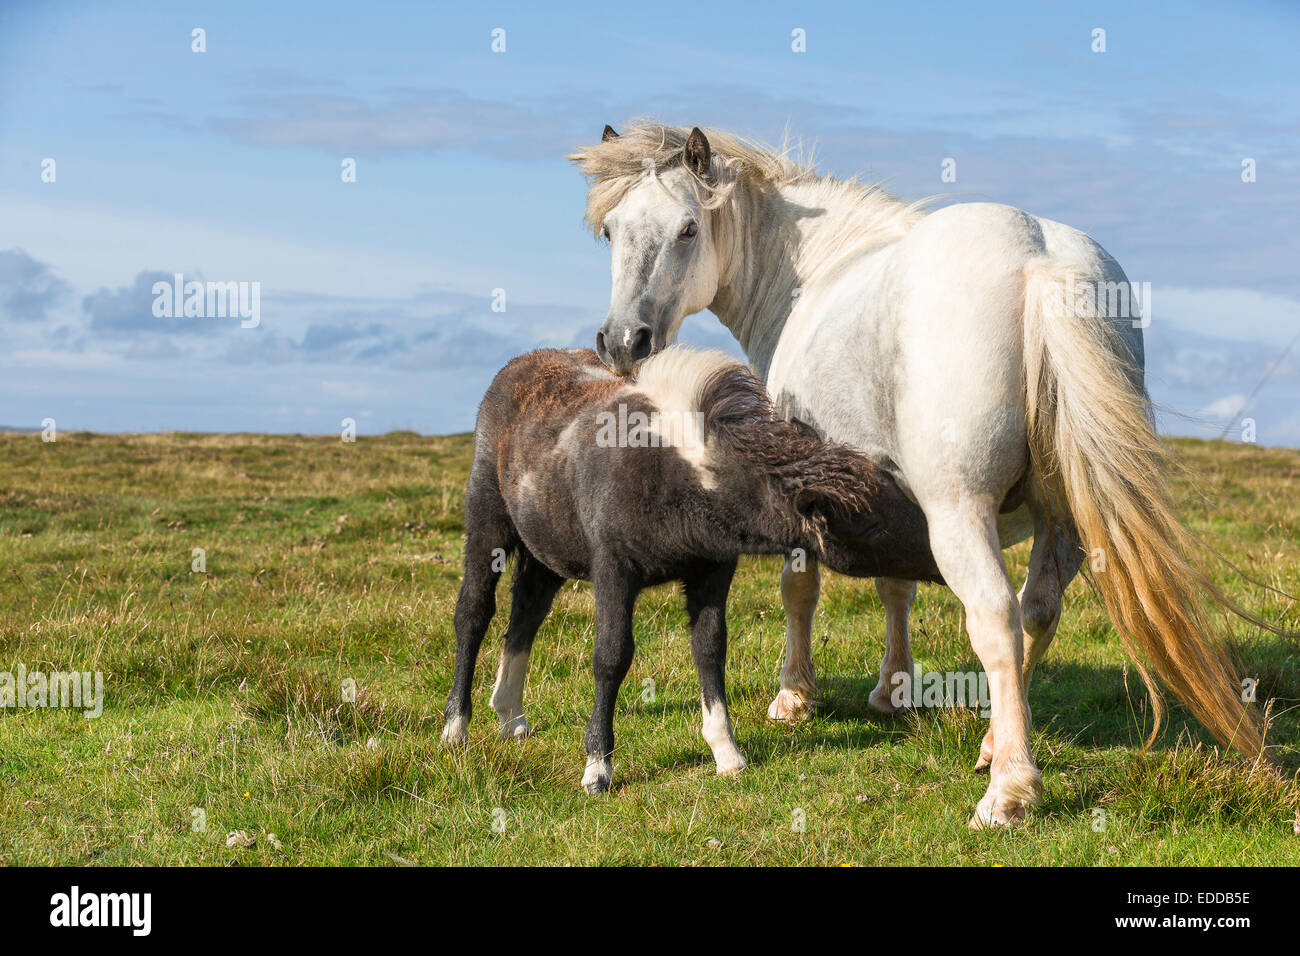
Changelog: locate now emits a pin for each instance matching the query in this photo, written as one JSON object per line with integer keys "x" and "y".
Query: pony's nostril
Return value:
{"x": 600, "y": 347}
{"x": 641, "y": 343}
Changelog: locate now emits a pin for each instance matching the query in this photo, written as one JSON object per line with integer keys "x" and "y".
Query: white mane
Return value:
{"x": 674, "y": 379}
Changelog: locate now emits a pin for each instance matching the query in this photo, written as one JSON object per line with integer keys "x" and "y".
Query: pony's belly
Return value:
{"x": 1015, "y": 526}
{"x": 836, "y": 375}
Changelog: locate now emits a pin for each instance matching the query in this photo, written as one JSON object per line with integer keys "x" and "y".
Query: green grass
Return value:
{"x": 328, "y": 561}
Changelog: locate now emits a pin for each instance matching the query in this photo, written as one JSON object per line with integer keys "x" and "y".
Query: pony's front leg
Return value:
{"x": 706, "y": 605}
{"x": 897, "y": 597}
{"x": 615, "y": 599}
{"x": 800, "y": 590}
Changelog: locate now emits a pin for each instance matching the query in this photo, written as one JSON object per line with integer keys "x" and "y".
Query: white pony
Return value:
{"x": 989, "y": 359}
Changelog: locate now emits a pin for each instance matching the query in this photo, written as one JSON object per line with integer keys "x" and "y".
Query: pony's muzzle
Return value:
{"x": 621, "y": 348}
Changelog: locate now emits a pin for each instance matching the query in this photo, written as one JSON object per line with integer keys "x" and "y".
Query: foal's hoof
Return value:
{"x": 516, "y": 729}
{"x": 790, "y": 706}
{"x": 455, "y": 733}
{"x": 598, "y": 776}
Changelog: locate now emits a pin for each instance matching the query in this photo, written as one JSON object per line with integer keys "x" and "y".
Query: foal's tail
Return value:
{"x": 1093, "y": 444}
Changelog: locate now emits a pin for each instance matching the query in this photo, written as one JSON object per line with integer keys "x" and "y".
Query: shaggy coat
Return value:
{"x": 631, "y": 482}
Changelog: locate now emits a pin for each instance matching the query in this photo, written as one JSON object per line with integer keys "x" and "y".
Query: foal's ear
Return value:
{"x": 698, "y": 153}
{"x": 610, "y": 133}
{"x": 807, "y": 503}
{"x": 804, "y": 429}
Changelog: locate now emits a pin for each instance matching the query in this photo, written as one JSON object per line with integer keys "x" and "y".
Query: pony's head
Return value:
{"x": 654, "y": 194}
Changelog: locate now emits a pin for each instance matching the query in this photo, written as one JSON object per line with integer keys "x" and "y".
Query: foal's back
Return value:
{"x": 587, "y": 460}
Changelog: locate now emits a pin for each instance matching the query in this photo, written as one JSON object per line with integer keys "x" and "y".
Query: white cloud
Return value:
{"x": 1226, "y": 408}
{"x": 1244, "y": 315}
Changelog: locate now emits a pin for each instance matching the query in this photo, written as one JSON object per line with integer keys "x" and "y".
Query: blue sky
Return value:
{"x": 376, "y": 295}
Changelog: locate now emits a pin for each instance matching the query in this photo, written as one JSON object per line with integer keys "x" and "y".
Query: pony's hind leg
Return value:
{"x": 615, "y": 599}
{"x": 1051, "y": 569}
{"x": 1053, "y": 563}
{"x": 897, "y": 597}
{"x": 706, "y": 606}
{"x": 490, "y": 537}
{"x": 800, "y": 590}
{"x": 534, "y": 590}
{"x": 964, "y": 538}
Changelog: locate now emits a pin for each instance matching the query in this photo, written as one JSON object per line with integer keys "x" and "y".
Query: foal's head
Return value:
{"x": 653, "y": 198}
{"x": 819, "y": 494}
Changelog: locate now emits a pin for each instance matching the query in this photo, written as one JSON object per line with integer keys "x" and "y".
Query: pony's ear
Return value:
{"x": 610, "y": 133}
{"x": 697, "y": 153}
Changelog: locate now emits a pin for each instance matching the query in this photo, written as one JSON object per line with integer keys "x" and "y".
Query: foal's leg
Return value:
{"x": 615, "y": 599}
{"x": 799, "y": 593}
{"x": 489, "y": 537}
{"x": 897, "y": 597}
{"x": 706, "y": 605}
{"x": 964, "y": 539}
{"x": 534, "y": 590}
{"x": 1053, "y": 563}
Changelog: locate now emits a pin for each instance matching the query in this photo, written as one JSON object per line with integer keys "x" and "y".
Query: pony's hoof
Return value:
{"x": 455, "y": 733}
{"x": 516, "y": 729}
{"x": 790, "y": 706}
{"x": 989, "y": 816}
{"x": 879, "y": 702}
{"x": 730, "y": 768}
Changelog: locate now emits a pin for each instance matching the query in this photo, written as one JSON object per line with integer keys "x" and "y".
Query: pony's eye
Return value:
{"x": 689, "y": 232}
{"x": 604, "y": 231}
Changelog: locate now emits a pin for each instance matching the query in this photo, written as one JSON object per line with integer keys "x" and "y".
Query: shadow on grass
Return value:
{"x": 1099, "y": 707}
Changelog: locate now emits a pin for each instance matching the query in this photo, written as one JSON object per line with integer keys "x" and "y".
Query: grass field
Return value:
{"x": 327, "y": 561}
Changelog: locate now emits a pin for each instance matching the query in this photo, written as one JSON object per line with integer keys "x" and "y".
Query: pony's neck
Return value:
{"x": 777, "y": 240}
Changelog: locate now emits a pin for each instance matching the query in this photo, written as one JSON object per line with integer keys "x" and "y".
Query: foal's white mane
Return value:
{"x": 674, "y": 379}
{"x": 782, "y": 223}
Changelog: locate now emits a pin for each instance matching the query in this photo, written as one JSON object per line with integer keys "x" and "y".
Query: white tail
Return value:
{"x": 1093, "y": 443}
